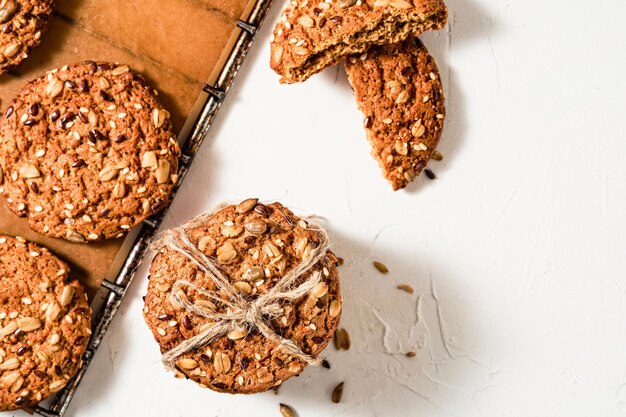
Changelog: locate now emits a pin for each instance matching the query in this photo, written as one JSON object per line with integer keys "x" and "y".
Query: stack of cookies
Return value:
{"x": 395, "y": 80}
{"x": 87, "y": 152}
{"x": 243, "y": 298}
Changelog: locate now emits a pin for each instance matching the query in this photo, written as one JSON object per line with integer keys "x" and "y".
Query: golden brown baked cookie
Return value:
{"x": 87, "y": 152}
{"x": 45, "y": 323}
{"x": 398, "y": 89}
{"x": 313, "y": 35}
{"x": 22, "y": 24}
{"x": 255, "y": 245}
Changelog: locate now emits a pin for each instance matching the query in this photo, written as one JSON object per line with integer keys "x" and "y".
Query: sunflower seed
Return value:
{"x": 29, "y": 171}
{"x": 17, "y": 386}
{"x": 320, "y": 290}
{"x": 245, "y": 206}
{"x": 334, "y": 309}
{"x": 10, "y": 364}
{"x": 57, "y": 385}
{"x": 382, "y": 268}
{"x": 187, "y": 363}
{"x": 158, "y": 118}
{"x": 107, "y": 173}
{"x": 149, "y": 160}
{"x": 12, "y": 49}
{"x": 120, "y": 70}
{"x": 74, "y": 236}
{"x": 403, "y": 97}
{"x": 286, "y": 411}
{"x": 337, "y": 393}
{"x": 277, "y": 54}
{"x": 345, "y": 3}
{"x": 237, "y": 334}
{"x": 54, "y": 87}
{"x": 411, "y": 354}
{"x": 418, "y": 129}
{"x": 400, "y": 4}
{"x": 66, "y": 295}
{"x": 119, "y": 191}
{"x": 28, "y": 324}
{"x": 306, "y": 21}
{"x": 162, "y": 172}
{"x": 401, "y": 148}
{"x": 10, "y": 379}
{"x": 341, "y": 339}
{"x": 221, "y": 362}
{"x": 243, "y": 287}
{"x": 52, "y": 312}
{"x": 256, "y": 226}
{"x": 253, "y": 274}
{"x": 300, "y": 50}
{"x": 271, "y": 250}
{"x": 7, "y": 10}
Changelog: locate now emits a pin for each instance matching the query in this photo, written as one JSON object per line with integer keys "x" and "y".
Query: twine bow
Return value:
{"x": 241, "y": 313}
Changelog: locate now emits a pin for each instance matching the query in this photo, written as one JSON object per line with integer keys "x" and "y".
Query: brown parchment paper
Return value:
{"x": 175, "y": 44}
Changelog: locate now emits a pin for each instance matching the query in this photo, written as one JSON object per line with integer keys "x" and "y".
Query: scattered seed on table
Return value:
{"x": 286, "y": 411}
{"x": 437, "y": 156}
{"x": 342, "y": 339}
{"x": 406, "y": 288}
{"x": 431, "y": 175}
{"x": 337, "y": 393}
{"x": 382, "y": 268}
{"x": 326, "y": 364}
{"x": 411, "y": 354}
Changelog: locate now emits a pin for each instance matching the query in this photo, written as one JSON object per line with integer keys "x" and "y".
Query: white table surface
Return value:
{"x": 517, "y": 251}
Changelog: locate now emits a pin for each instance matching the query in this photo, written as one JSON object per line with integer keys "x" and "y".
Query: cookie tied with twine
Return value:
{"x": 243, "y": 298}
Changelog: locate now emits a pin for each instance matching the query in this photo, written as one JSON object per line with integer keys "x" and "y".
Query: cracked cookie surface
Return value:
{"x": 22, "y": 24}
{"x": 399, "y": 91}
{"x": 87, "y": 152}
{"x": 313, "y": 35}
{"x": 45, "y": 323}
{"x": 254, "y": 245}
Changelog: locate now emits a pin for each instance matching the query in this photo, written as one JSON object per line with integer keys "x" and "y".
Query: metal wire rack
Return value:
{"x": 136, "y": 245}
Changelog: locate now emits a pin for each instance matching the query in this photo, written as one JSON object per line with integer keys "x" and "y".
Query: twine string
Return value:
{"x": 240, "y": 313}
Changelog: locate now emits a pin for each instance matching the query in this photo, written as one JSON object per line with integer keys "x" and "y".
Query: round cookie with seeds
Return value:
{"x": 87, "y": 152}
{"x": 22, "y": 23}
{"x": 254, "y": 245}
{"x": 45, "y": 323}
{"x": 399, "y": 91}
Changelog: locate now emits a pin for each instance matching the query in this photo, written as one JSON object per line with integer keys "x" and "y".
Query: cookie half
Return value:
{"x": 313, "y": 35}
{"x": 45, "y": 323}
{"x": 87, "y": 152}
{"x": 22, "y": 24}
{"x": 255, "y": 245}
{"x": 398, "y": 89}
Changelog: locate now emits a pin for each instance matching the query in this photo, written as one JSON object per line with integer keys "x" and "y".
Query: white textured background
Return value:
{"x": 517, "y": 252}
